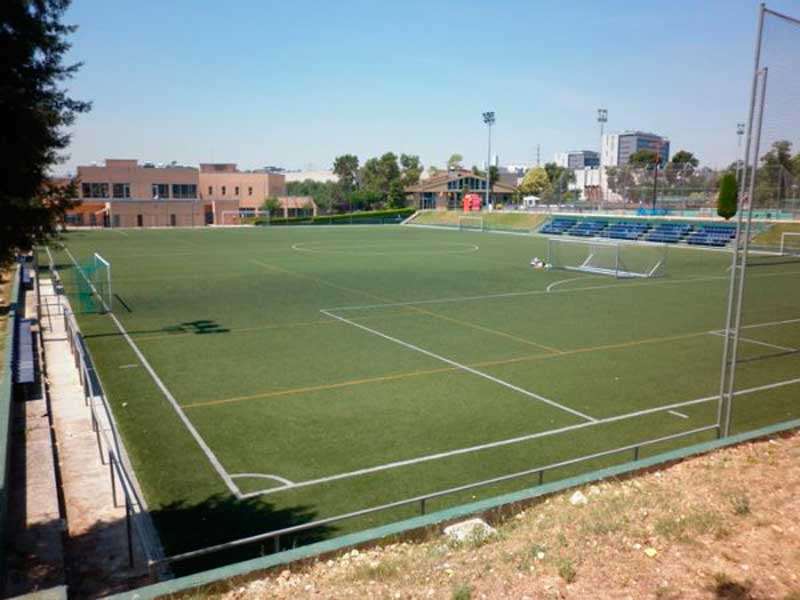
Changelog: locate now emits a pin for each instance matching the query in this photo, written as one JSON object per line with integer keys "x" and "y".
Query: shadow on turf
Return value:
{"x": 221, "y": 518}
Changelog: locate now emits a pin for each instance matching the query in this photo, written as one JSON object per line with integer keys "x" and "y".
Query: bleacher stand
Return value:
{"x": 669, "y": 233}
{"x": 24, "y": 368}
{"x": 627, "y": 231}
{"x": 589, "y": 228}
{"x": 716, "y": 235}
{"x": 558, "y": 226}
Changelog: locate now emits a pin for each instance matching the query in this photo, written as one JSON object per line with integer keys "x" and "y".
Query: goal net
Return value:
{"x": 790, "y": 243}
{"x": 470, "y": 223}
{"x": 616, "y": 259}
{"x": 94, "y": 285}
{"x": 242, "y": 216}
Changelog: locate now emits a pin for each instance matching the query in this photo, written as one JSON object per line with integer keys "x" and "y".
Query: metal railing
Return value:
{"x": 109, "y": 447}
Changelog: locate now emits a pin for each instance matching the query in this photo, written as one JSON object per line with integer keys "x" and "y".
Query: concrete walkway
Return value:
{"x": 97, "y": 538}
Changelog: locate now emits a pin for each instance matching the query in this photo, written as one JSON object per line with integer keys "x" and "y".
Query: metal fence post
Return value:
{"x": 128, "y": 531}
{"x": 113, "y": 479}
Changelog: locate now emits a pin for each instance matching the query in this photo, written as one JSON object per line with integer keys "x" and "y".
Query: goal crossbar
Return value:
{"x": 615, "y": 259}
{"x": 470, "y": 222}
{"x": 793, "y": 248}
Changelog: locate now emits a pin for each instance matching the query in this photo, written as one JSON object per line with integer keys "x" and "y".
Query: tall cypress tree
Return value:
{"x": 35, "y": 111}
{"x": 728, "y": 196}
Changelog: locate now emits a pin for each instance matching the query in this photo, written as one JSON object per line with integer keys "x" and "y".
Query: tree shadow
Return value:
{"x": 221, "y": 518}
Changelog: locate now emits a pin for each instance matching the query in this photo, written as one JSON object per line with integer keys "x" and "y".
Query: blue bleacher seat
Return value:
{"x": 23, "y": 363}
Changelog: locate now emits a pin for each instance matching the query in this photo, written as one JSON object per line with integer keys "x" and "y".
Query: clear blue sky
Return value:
{"x": 296, "y": 83}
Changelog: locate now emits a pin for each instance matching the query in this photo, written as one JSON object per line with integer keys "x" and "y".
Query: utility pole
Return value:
{"x": 488, "y": 118}
{"x": 655, "y": 175}
{"x": 538, "y": 149}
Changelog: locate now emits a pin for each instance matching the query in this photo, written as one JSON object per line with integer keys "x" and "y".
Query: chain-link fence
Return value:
{"x": 762, "y": 333}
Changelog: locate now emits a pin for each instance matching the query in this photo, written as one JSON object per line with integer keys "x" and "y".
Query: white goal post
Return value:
{"x": 470, "y": 223}
{"x": 601, "y": 257}
{"x": 236, "y": 217}
{"x": 790, "y": 242}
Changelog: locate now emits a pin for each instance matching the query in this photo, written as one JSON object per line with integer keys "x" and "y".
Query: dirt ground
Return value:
{"x": 724, "y": 525}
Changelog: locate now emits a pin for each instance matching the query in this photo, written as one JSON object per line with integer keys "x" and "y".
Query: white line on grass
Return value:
{"x": 540, "y": 292}
{"x": 463, "y": 367}
{"x": 168, "y": 395}
{"x": 758, "y": 342}
{"x": 515, "y": 440}
{"x": 559, "y": 282}
{"x": 283, "y": 480}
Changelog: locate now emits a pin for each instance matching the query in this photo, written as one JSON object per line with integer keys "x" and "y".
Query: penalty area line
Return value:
{"x": 463, "y": 367}
{"x": 669, "y": 408}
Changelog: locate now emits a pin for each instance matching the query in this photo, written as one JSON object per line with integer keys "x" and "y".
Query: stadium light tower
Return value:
{"x": 602, "y": 118}
{"x": 488, "y": 118}
{"x": 739, "y": 134}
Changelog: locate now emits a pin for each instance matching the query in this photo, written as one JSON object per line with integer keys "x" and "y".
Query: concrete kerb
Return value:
{"x": 433, "y": 521}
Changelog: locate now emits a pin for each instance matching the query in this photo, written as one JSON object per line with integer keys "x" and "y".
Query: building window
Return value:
{"x": 210, "y": 190}
{"x": 223, "y": 190}
{"x": 173, "y": 221}
{"x": 250, "y": 191}
{"x": 121, "y": 190}
{"x": 236, "y": 191}
{"x": 184, "y": 190}
{"x": 139, "y": 221}
{"x": 160, "y": 190}
{"x": 94, "y": 190}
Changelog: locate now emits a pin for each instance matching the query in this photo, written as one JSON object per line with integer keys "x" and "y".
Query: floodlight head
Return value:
{"x": 488, "y": 118}
{"x": 740, "y": 129}
{"x": 602, "y": 115}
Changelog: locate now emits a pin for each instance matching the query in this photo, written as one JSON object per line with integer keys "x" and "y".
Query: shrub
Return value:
{"x": 728, "y": 196}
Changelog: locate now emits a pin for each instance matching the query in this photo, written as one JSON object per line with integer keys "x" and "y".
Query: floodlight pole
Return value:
{"x": 602, "y": 118}
{"x": 488, "y": 118}
{"x": 655, "y": 175}
{"x": 739, "y": 133}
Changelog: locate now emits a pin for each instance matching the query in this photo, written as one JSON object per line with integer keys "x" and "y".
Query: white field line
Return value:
{"x": 559, "y": 282}
{"x": 540, "y": 292}
{"x": 758, "y": 342}
{"x": 283, "y": 480}
{"x": 678, "y": 414}
{"x": 461, "y": 366}
{"x": 168, "y": 395}
{"x": 515, "y": 440}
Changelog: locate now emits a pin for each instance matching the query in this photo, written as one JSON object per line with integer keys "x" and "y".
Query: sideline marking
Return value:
{"x": 463, "y": 367}
{"x": 510, "y": 441}
{"x": 212, "y": 458}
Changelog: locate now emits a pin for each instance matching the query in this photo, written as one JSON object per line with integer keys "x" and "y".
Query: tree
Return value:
{"x": 683, "y": 158}
{"x": 35, "y": 112}
{"x": 411, "y": 169}
{"x": 378, "y": 174}
{"x": 728, "y": 196}
{"x": 454, "y": 162}
{"x": 346, "y": 168}
{"x": 642, "y": 158}
{"x": 535, "y": 182}
{"x": 273, "y": 207}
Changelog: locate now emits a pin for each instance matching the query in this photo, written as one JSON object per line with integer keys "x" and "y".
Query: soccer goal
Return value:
{"x": 616, "y": 259}
{"x": 470, "y": 223}
{"x": 790, "y": 243}
{"x": 242, "y": 216}
{"x": 94, "y": 285}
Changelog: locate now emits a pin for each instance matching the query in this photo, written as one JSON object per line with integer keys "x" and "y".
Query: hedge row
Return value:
{"x": 398, "y": 215}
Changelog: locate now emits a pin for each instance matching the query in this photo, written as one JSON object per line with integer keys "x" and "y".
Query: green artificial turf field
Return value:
{"x": 330, "y": 369}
